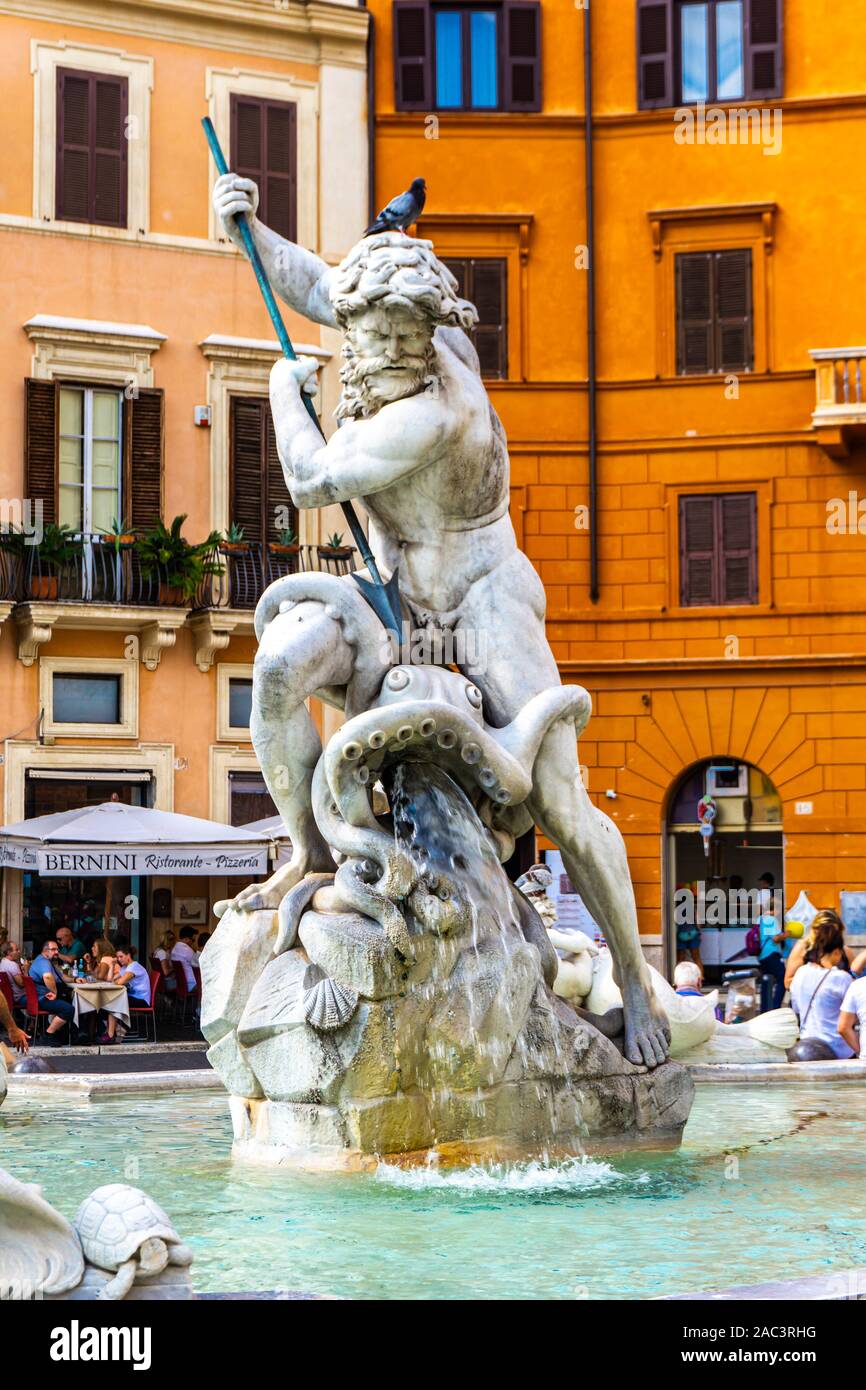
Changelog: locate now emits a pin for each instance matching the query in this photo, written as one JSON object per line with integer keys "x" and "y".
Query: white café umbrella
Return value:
{"x": 274, "y": 828}
{"x": 113, "y": 838}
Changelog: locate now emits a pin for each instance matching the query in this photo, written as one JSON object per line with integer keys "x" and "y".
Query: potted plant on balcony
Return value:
{"x": 119, "y": 534}
{"x": 233, "y": 542}
{"x": 58, "y": 548}
{"x": 164, "y": 554}
{"x": 333, "y": 549}
{"x": 285, "y": 544}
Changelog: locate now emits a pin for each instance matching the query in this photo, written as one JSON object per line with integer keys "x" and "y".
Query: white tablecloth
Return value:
{"x": 90, "y": 996}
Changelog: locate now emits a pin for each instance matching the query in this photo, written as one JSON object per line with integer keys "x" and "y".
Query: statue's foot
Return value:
{"x": 267, "y": 896}
{"x": 647, "y": 1031}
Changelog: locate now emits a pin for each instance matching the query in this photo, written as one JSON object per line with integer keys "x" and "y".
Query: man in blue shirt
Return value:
{"x": 49, "y": 982}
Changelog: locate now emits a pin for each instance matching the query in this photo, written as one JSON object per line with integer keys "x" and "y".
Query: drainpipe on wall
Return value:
{"x": 371, "y": 113}
{"x": 590, "y": 311}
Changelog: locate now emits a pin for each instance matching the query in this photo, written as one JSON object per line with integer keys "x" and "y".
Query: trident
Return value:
{"x": 383, "y": 598}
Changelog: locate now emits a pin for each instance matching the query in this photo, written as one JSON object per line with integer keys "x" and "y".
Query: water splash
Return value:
{"x": 579, "y": 1174}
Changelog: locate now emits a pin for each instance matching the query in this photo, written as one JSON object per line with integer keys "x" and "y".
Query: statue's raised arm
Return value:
{"x": 298, "y": 276}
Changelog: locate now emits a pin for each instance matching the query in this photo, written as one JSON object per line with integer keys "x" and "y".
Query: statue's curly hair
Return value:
{"x": 393, "y": 270}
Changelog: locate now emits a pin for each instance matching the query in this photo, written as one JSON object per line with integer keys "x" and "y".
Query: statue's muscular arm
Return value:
{"x": 298, "y": 276}
{"x": 361, "y": 458}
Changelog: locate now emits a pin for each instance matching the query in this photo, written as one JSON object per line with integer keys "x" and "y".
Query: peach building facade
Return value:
{"x": 136, "y": 353}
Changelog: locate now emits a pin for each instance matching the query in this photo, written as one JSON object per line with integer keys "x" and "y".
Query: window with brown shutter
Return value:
{"x": 413, "y": 55}
{"x": 484, "y": 282}
{"x": 91, "y": 169}
{"x": 714, "y": 311}
{"x": 264, "y": 148}
{"x": 40, "y": 445}
{"x": 144, "y": 449}
{"x": 708, "y": 50}
{"x": 260, "y": 500}
{"x": 718, "y": 549}
{"x": 655, "y": 47}
{"x": 142, "y": 452}
{"x": 478, "y": 57}
{"x": 763, "y": 45}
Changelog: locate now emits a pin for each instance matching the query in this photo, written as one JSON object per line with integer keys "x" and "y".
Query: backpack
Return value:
{"x": 753, "y": 941}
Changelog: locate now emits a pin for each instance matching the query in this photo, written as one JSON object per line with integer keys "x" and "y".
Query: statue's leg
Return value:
{"x": 301, "y": 651}
{"x": 503, "y": 615}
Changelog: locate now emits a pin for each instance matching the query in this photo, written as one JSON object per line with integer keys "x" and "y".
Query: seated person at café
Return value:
{"x": 162, "y": 955}
{"x": 99, "y": 960}
{"x": 10, "y": 964}
{"x": 852, "y": 1017}
{"x": 184, "y": 953}
{"x": 820, "y": 987}
{"x": 134, "y": 979}
{"x": 69, "y": 948}
{"x": 49, "y": 984}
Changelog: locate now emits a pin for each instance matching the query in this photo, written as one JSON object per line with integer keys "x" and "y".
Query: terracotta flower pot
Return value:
{"x": 171, "y": 595}
{"x": 335, "y": 552}
{"x": 43, "y": 586}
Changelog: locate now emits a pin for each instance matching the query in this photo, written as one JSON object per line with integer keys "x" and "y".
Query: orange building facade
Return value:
{"x": 742, "y": 648}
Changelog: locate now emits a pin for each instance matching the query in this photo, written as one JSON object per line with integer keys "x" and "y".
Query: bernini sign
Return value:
{"x": 84, "y": 860}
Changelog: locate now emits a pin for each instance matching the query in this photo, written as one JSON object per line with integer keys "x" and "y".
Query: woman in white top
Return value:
{"x": 819, "y": 986}
{"x": 10, "y": 964}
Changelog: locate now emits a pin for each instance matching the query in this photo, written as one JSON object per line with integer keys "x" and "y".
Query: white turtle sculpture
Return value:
{"x": 121, "y": 1228}
{"x": 118, "y": 1229}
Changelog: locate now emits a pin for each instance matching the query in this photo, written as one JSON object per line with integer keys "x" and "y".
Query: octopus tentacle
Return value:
{"x": 522, "y": 738}
{"x": 365, "y": 846}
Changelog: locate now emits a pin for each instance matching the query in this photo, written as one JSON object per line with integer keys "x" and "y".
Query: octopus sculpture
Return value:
{"x": 424, "y": 714}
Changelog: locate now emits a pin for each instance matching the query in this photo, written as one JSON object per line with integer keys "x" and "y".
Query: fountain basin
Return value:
{"x": 632, "y": 1224}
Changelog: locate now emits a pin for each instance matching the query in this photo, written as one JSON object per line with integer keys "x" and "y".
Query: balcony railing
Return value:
{"x": 102, "y": 574}
{"x": 98, "y": 574}
{"x": 248, "y": 570}
{"x": 840, "y": 396}
{"x": 8, "y": 577}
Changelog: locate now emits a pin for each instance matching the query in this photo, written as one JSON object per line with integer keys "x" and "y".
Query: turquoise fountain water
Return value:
{"x": 768, "y": 1183}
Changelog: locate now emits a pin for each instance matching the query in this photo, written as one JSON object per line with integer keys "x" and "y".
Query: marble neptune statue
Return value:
{"x": 423, "y": 449}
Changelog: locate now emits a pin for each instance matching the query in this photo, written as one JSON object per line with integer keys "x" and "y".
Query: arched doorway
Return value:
{"x": 717, "y": 876}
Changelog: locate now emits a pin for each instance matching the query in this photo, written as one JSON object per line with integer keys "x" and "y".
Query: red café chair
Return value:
{"x": 6, "y": 990}
{"x": 32, "y": 1007}
{"x": 182, "y": 994}
{"x": 137, "y": 1009}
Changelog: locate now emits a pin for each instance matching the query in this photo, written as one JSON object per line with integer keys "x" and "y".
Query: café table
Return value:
{"x": 92, "y": 995}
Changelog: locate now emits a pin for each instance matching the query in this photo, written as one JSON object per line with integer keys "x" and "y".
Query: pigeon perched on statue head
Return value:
{"x": 402, "y": 211}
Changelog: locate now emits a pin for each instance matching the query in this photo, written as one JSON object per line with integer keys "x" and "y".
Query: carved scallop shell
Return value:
{"x": 328, "y": 1005}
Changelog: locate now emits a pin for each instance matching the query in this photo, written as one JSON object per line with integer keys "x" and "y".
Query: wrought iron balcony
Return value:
{"x": 98, "y": 573}
{"x": 102, "y": 574}
{"x": 839, "y": 416}
{"x": 249, "y": 567}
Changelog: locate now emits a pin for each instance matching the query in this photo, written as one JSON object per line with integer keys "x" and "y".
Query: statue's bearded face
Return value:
{"x": 389, "y": 355}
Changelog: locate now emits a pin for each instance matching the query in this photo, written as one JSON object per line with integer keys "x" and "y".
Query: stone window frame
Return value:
{"x": 223, "y": 83}
{"x": 242, "y": 367}
{"x": 222, "y": 761}
{"x": 228, "y": 671}
{"x": 46, "y": 56}
{"x": 50, "y": 666}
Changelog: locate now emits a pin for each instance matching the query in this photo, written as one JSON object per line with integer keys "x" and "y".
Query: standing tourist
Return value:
{"x": 821, "y": 986}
